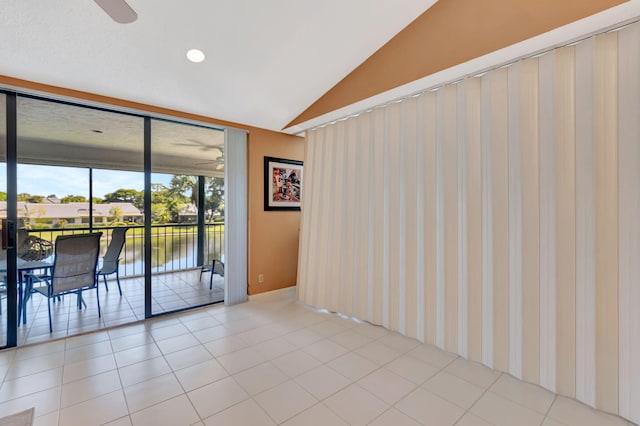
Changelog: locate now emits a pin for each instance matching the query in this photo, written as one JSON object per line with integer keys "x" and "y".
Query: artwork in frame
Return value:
{"x": 282, "y": 184}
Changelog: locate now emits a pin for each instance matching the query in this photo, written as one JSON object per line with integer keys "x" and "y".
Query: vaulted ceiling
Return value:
{"x": 266, "y": 61}
{"x": 278, "y": 62}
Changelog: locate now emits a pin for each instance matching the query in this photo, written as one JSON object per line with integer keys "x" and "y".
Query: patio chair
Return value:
{"x": 73, "y": 270}
{"x": 216, "y": 267}
{"x": 111, "y": 259}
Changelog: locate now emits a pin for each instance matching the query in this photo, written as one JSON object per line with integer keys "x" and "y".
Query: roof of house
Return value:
{"x": 70, "y": 210}
{"x": 188, "y": 210}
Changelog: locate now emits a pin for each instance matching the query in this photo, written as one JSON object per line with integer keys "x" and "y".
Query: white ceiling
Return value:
{"x": 267, "y": 60}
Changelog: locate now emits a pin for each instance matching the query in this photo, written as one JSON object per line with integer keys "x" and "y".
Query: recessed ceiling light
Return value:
{"x": 195, "y": 55}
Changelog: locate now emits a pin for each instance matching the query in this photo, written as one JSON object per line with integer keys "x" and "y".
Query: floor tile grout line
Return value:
{"x": 184, "y": 391}
{"x": 289, "y": 378}
{"x": 355, "y": 382}
{"x": 28, "y": 335}
{"x": 263, "y": 410}
{"x": 521, "y": 382}
{"x": 468, "y": 411}
{"x": 546, "y": 415}
{"x": 124, "y": 395}
{"x": 354, "y": 350}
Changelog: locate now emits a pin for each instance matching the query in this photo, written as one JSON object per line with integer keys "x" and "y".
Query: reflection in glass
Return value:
{"x": 71, "y": 163}
{"x": 82, "y": 169}
{"x": 188, "y": 230}
{"x": 3, "y": 215}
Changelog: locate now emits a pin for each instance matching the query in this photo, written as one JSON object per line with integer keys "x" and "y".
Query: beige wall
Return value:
{"x": 273, "y": 235}
{"x": 449, "y": 33}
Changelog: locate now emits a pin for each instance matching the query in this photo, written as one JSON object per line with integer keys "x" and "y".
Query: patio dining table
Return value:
{"x": 24, "y": 266}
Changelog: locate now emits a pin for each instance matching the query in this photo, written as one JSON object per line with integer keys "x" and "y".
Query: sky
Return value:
{"x": 62, "y": 181}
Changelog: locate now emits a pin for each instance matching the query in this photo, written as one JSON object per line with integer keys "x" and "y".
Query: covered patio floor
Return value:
{"x": 170, "y": 292}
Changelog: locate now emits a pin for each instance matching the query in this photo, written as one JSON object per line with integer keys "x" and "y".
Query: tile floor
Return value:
{"x": 269, "y": 361}
{"x": 170, "y": 291}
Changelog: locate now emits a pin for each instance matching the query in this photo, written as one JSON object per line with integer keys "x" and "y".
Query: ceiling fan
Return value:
{"x": 218, "y": 162}
{"x": 203, "y": 146}
{"x": 118, "y": 10}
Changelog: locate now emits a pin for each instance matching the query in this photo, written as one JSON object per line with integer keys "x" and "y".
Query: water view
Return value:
{"x": 174, "y": 247}
{"x": 174, "y": 213}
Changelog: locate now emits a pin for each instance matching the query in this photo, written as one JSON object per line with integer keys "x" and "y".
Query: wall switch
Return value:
{"x": 260, "y": 278}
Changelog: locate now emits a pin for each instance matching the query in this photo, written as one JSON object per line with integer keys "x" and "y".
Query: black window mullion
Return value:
{"x": 12, "y": 217}
{"x": 147, "y": 217}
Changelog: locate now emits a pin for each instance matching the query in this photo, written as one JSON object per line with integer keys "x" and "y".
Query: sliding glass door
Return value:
{"x": 80, "y": 170}
{"x": 153, "y": 188}
{"x": 187, "y": 208}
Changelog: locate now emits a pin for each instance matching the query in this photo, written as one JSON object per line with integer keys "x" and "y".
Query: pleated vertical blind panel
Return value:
{"x": 236, "y": 206}
{"x": 497, "y": 218}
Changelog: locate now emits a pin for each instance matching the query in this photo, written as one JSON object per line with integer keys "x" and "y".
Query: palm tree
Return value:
{"x": 214, "y": 192}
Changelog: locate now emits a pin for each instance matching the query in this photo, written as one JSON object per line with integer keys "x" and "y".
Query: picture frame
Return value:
{"x": 282, "y": 184}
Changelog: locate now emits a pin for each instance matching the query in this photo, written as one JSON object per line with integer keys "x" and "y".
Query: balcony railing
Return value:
{"x": 173, "y": 247}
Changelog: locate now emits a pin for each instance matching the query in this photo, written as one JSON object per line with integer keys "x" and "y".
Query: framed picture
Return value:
{"x": 282, "y": 184}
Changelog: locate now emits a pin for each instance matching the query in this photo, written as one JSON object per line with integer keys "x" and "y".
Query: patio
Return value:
{"x": 170, "y": 292}
{"x": 97, "y": 162}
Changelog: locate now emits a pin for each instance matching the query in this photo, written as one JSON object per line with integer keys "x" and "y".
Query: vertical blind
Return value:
{"x": 497, "y": 218}
{"x": 236, "y": 216}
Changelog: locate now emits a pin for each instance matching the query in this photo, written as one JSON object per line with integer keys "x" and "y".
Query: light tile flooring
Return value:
{"x": 170, "y": 291}
{"x": 269, "y": 361}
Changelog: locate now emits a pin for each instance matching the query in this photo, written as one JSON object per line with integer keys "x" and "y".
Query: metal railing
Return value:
{"x": 173, "y": 247}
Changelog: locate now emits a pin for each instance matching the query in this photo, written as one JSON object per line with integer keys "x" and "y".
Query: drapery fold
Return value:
{"x": 497, "y": 217}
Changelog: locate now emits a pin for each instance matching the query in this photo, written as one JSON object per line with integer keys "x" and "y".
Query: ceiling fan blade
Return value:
{"x": 202, "y": 146}
{"x": 119, "y": 10}
{"x": 206, "y": 147}
{"x": 219, "y": 162}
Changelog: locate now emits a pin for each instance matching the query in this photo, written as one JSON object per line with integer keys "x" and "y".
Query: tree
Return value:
{"x": 185, "y": 187}
{"x": 126, "y": 196}
{"x": 170, "y": 201}
{"x": 214, "y": 192}
{"x": 214, "y": 196}
{"x": 28, "y": 198}
{"x": 159, "y": 193}
{"x": 115, "y": 214}
{"x": 26, "y": 214}
{"x": 73, "y": 199}
{"x": 3, "y": 196}
{"x": 160, "y": 213}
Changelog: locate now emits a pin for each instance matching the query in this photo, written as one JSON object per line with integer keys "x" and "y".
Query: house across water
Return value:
{"x": 54, "y": 214}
